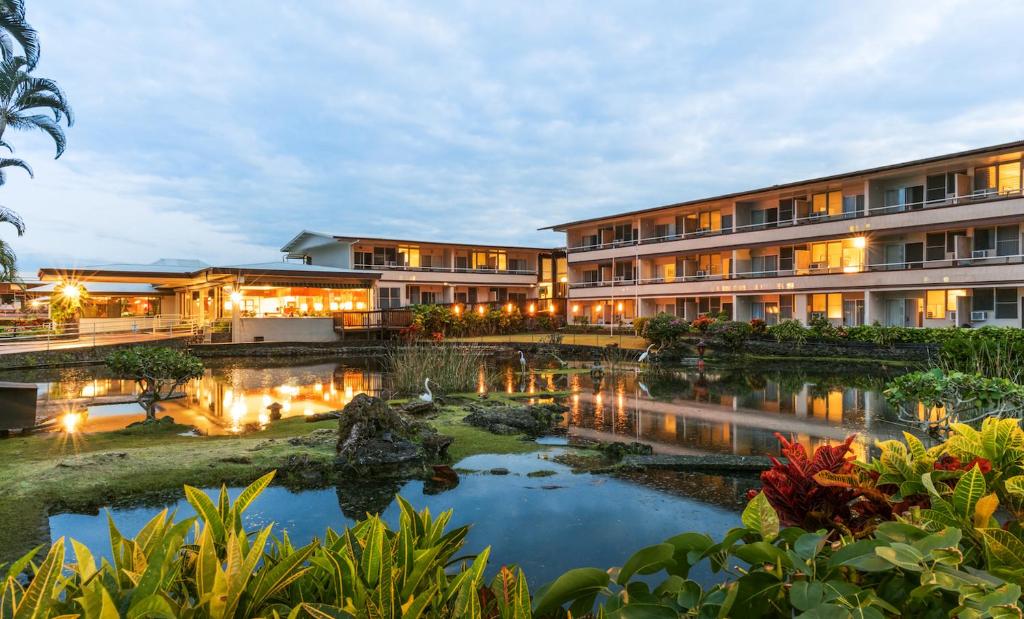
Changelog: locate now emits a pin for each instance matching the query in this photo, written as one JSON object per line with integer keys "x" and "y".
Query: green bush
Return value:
{"x": 664, "y": 330}
{"x": 789, "y": 331}
{"x": 732, "y": 333}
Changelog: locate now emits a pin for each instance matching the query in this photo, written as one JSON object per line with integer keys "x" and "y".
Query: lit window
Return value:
{"x": 936, "y": 304}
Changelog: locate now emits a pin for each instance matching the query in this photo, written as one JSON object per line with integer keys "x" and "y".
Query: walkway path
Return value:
{"x": 87, "y": 341}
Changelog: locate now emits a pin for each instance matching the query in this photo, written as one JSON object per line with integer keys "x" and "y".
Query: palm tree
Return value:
{"x": 14, "y": 28}
{"x": 8, "y": 266}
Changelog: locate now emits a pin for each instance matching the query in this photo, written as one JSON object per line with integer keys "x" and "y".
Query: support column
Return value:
{"x": 869, "y": 314}
{"x": 800, "y": 308}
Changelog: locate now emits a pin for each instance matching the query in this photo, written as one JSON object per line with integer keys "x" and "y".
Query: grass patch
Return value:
{"x": 470, "y": 440}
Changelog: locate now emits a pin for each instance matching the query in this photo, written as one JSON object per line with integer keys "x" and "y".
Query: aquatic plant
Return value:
{"x": 453, "y": 369}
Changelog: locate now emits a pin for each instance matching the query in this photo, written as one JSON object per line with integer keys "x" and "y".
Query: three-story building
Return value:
{"x": 932, "y": 242}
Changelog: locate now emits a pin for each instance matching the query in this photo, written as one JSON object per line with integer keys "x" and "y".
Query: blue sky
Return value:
{"x": 217, "y": 130}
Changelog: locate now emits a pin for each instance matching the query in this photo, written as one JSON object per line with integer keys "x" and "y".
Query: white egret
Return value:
{"x": 522, "y": 361}
{"x": 645, "y": 355}
{"x": 428, "y": 396}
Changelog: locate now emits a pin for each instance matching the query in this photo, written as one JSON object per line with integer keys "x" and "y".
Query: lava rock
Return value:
{"x": 498, "y": 470}
{"x": 529, "y": 419}
{"x": 418, "y": 408}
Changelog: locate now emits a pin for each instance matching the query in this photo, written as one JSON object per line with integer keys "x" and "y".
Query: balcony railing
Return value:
{"x": 402, "y": 267}
{"x": 978, "y": 196}
{"x": 813, "y": 270}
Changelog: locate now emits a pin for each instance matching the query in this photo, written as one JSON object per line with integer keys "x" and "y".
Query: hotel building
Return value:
{"x": 928, "y": 243}
{"x": 333, "y": 282}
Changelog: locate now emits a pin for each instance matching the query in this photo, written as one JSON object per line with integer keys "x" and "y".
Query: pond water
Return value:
{"x": 545, "y": 524}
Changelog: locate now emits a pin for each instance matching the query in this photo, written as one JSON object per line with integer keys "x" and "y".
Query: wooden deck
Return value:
{"x": 383, "y": 322}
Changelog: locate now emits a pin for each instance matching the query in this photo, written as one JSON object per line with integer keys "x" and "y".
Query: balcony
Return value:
{"x": 393, "y": 266}
{"x": 987, "y": 205}
{"x": 974, "y": 271}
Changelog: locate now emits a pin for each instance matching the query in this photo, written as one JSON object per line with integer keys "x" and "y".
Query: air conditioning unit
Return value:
{"x": 951, "y": 315}
{"x": 980, "y": 316}
{"x": 979, "y": 253}
{"x": 701, "y": 274}
{"x": 817, "y": 266}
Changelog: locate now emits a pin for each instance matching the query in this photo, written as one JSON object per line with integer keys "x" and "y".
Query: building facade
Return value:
{"x": 929, "y": 243}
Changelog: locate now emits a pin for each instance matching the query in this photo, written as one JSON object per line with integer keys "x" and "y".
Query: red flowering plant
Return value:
{"x": 701, "y": 323}
{"x": 825, "y": 490}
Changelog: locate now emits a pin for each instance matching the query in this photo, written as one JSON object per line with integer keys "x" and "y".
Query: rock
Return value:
{"x": 443, "y": 478}
{"x": 418, "y": 408}
{"x": 617, "y": 450}
{"x": 498, "y": 470}
{"x": 376, "y": 440}
{"x": 541, "y": 473}
{"x": 323, "y": 416}
{"x": 317, "y": 438}
{"x": 237, "y": 460}
{"x": 529, "y": 419}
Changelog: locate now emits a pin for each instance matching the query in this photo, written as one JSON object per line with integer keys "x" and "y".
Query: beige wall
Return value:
{"x": 285, "y": 330}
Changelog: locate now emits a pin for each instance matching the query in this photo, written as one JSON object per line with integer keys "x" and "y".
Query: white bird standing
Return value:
{"x": 645, "y": 355}
{"x": 522, "y": 361}
{"x": 428, "y": 396}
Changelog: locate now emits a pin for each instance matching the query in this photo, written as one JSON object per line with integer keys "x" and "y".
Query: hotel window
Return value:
{"x": 623, "y": 233}
{"x": 427, "y": 261}
{"x": 709, "y": 264}
{"x": 546, "y": 273}
{"x": 785, "y": 307}
{"x": 786, "y": 209}
{"x": 518, "y": 298}
{"x": 461, "y": 297}
{"x": 983, "y": 300}
{"x": 709, "y": 305}
{"x": 764, "y": 266}
{"x": 826, "y": 255}
{"x": 1003, "y": 178}
{"x": 388, "y": 297}
{"x": 827, "y": 305}
{"x": 384, "y": 256}
{"x": 1006, "y": 303}
{"x": 767, "y": 218}
{"x": 364, "y": 259}
{"x": 853, "y": 206}
{"x": 830, "y": 203}
{"x": 428, "y": 297}
{"x": 661, "y": 231}
{"x": 1007, "y": 241}
{"x": 462, "y": 263}
{"x": 517, "y": 264}
{"x": 707, "y": 221}
{"x": 951, "y": 239}
{"x": 907, "y": 197}
{"x": 409, "y": 256}
{"x": 624, "y": 271}
{"x": 935, "y": 304}
{"x": 984, "y": 239}
{"x": 935, "y": 246}
{"x": 414, "y": 294}
{"x": 592, "y": 277}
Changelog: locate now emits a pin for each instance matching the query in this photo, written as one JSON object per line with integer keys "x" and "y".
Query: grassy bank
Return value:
{"x": 51, "y": 473}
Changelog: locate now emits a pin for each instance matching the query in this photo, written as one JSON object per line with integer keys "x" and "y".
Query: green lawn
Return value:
{"x": 625, "y": 340}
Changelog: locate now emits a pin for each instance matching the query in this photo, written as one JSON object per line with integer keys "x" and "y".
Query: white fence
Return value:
{"x": 100, "y": 330}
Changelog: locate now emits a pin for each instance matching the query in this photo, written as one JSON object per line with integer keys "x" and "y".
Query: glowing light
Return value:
{"x": 304, "y": 307}
{"x": 551, "y": 308}
{"x": 289, "y": 299}
{"x": 227, "y": 305}
{"x": 267, "y": 400}
{"x": 286, "y": 407}
{"x": 347, "y": 305}
{"x": 308, "y": 410}
{"x": 334, "y": 306}
{"x": 318, "y": 307}
{"x": 263, "y": 418}
{"x": 318, "y": 387}
{"x": 360, "y": 305}
{"x": 532, "y": 309}
{"x": 563, "y": 279}
{"x": 71, "y": 291}
{"x": 236, "y": 297}
{"x": 480, "y": 310}
{"x": 575, "y": 308}
{"x": 860, "y": 242}
{"x": 598, "y": 308}
{"x": 88, "y": 391}
{"x": 71, "y": 422}
{"x": 619, "y": 307}
{"x": 457, "y": 310}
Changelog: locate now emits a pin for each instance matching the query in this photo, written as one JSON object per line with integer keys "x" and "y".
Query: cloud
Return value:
{"x": 220, "y": 129}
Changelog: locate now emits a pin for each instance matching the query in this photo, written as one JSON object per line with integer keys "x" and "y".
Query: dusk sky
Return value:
{"x": 218, "y": 129}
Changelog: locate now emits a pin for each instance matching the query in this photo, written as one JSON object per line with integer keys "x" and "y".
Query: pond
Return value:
{"x": 544, "y": 524}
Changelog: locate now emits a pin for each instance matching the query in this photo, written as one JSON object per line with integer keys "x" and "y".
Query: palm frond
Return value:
{"x": 45, "y": 124}
{"x": 15, "y": 163}
{"x": 12, "y": 21}
{"x": 8, "y": 263}
{"x": 7, "y": 216}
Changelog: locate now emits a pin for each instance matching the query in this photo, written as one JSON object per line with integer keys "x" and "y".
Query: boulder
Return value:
{"x": 418, "y": 408}
{"x": 378, "y": 441}
{"x": 529, "y": 419}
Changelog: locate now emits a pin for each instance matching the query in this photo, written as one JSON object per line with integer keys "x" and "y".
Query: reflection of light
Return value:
{"x": 334, "y": 306}
{"x": 318, "y": 306}
{"x": 88, "y": 391}
{"x": 360, "y": 305}
{"x": 308, "y": 410}
{"x": 264, "y": 419}
{"x": 318, "y": 387}
{"x": 287, "y": 406}
{"x": 508, "y": 308}
{"x": 348, "y": 393}
{"x": 228, "y": 397}
{"x": 238, "y": 410}
{"x": 71, "y": 422}
{"x": 304, "y": 307}
{"x": 267, "y": 400}
{"x": 598, "y": 308}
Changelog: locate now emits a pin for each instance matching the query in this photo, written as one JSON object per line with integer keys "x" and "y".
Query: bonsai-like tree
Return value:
{"x": 157, "y": 370}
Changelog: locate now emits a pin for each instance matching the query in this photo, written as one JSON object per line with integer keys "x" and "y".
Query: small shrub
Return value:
{"x": 758, "y": 327}
{"x": 789, "y": 331}
{"x": 663, "y": 330}
{"x": 732, "y": 333}
{"x": 702, "y": 323}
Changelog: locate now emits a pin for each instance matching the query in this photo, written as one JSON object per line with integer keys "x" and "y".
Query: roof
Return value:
{"x": 297, "y": 242}
{"x": 185, "y": 269}
{"x": 292, "y": 268}
{"x": 105, "y": 288}
{"x": 164, "y": 267}
{"x": 791, "y": 185}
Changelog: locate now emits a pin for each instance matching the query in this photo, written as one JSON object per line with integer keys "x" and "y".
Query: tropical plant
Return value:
{"x": 733, "y": 334}
{"x": 15, "y": 29}
{"x": 958, "y": 396}
{"x": 158, "y": 372}
{"x": 664, "y": 330}
{"x": 789, "y": 331}
{"x": 8, "y": 259}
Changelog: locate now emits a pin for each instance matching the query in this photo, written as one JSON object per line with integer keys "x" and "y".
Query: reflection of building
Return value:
{"x": 934, "y": 242}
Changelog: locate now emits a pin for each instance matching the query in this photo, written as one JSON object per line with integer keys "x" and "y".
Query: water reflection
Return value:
{"x": 227, "y": 399}
{"x": 729, "y": 411}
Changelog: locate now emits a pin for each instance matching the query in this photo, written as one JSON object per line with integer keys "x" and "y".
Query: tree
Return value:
{"x": 14, "y": 29}
{"x": 158, "y": 371}
{"x": 66, "y": 302}
{"x": 8, "y": 261}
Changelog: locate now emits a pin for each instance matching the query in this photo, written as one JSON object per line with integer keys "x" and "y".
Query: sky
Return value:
{"x": 219, "y": 130}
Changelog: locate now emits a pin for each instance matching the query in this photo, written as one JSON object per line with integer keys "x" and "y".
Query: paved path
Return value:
{"x": 86, "y": 341}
